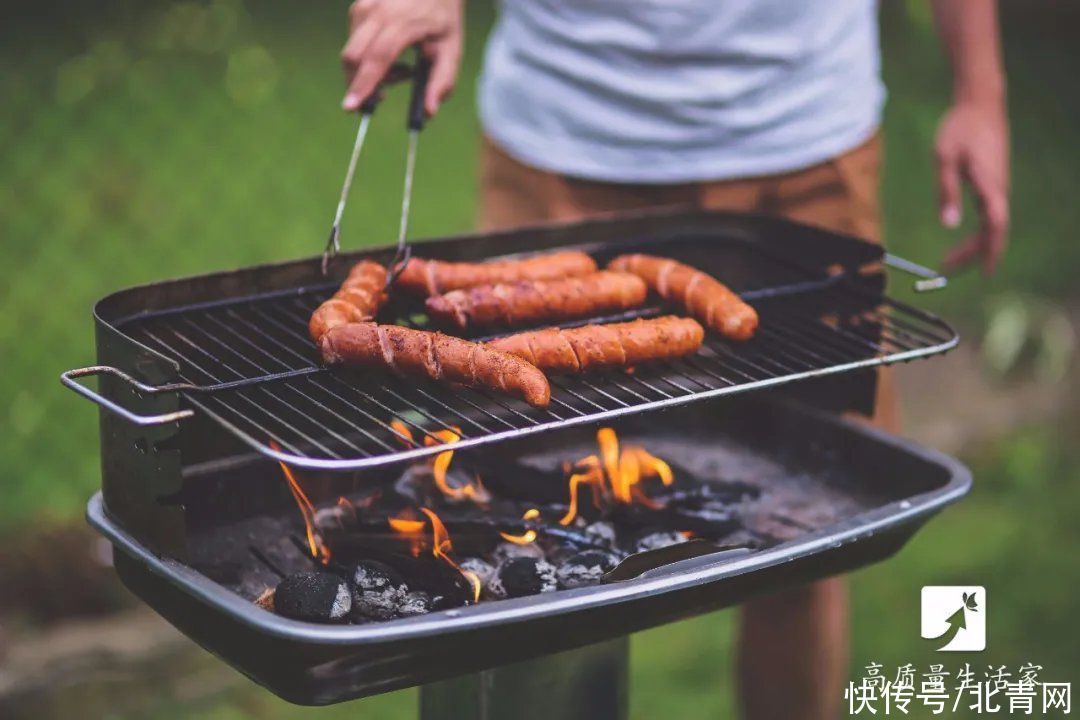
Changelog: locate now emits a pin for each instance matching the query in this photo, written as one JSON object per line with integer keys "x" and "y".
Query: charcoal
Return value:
{"x": 603, "y": 533}
{"x": 315, "y": 597}
{"x": 657, "y": 540}
{"x": 415, "y": 603}
{"x": 585, "y": 568}
{"x": 507, "y": 551}
{"x": 378, "y": 591}
{"x": 482, "y": 569}
{"x": 522, "y": 576}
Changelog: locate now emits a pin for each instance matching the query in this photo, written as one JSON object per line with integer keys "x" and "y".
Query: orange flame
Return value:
{"x": 622, "y": 469}
{"x": 443, "y": 547}
{"x": 403, "y": 430}
{"x": 406, "y": 523}
{"x": 319, "y": 551}
{"x": 592, "y": 476}
{"x": 529, "y": 536}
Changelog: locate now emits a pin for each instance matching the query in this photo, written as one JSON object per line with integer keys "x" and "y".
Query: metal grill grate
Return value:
{"x": 258, "y": 373}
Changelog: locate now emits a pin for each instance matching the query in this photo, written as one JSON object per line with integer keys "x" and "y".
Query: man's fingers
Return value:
{"x": 993, "y": 218}
{"x": 446, "y": 58}
{"x": 949, "y": 197}
{"x": 377, "y": 59}
{"x": 963, "y": 254}
{"x": 995, "y": 229}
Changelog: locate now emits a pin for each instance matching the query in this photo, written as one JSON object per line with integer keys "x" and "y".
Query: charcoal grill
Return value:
{"x": 204, "y": 382}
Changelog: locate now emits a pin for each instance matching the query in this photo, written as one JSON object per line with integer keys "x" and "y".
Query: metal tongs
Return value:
{"x": 419, "y": 72}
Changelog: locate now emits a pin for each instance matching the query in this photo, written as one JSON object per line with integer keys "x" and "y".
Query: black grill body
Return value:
{"x": 890, "y": 487}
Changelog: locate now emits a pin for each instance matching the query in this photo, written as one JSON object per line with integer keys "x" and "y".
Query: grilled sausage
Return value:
{"x": 436, "y": 356}
{"x": 605, "y": 346}
{"x": 431, "y": 277}
{"x": 703, "y": 296}
{"x": 533, "y": 301}
{"x": 359, "y": 299}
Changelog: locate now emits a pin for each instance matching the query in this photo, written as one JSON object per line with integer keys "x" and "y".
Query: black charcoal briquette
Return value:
{"x": 522, "y": 576}
{"x": 315, "y": 597}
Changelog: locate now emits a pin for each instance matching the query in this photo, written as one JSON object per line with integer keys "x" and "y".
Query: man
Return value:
{"x": 593, "y": 106}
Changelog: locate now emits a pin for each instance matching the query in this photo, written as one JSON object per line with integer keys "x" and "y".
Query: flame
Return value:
{"x": 529, "y": 536}
{"x": 592, "y": 476}
{"x": 443, "y": 547}
{"x": 319, "y": 551}
{"x": 617, "y": 471}
{"x": 403, "y": 430}
{"x": 408, "y": 524}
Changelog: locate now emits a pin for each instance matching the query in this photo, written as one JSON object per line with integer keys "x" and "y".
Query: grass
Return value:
{"x": 151, "y": 140}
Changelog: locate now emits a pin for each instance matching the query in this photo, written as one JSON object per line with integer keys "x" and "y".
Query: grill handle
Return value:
{"x": 69, "y": 379}
{"x": 928, "y": 279}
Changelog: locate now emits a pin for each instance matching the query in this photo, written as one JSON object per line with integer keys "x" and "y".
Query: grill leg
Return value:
{"x": 585, "y": 684}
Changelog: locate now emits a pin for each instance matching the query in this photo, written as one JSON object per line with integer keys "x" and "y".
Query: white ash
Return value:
{"x": 342, "y": 603}
{"x": 379, "y": 604}
{"x": 415, "y": 603}
{"x": 480, "y": 568}
{"x": 508, "y": 551}
{"x": 657, "y": 540}
{"x": 602, "y": 532}
{"x": 585, "y": 568}
{"x": 376, "y": 594}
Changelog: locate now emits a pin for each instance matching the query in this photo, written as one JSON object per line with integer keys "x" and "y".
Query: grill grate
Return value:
{"x": 255, "y": 371}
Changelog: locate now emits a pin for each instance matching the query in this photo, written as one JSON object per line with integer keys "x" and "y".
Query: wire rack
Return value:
{"x": 250, "y": 366}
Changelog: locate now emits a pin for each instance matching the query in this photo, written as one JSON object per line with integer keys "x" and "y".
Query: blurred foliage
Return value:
{"x": 147, "y": 140}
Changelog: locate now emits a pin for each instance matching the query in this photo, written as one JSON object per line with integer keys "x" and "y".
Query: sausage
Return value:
{"x": 605, "y": 346}
{"x": 533, "y": 301}
{"x": 435, "y": 356}
{"x": 358, "y": 299}
{"x": 431, "y": 277}
{"x": 703, "y": 296}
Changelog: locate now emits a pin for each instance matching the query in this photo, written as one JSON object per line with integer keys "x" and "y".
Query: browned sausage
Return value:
{"x": 436, "y": 356}
{"x": 605, "y": 346}
{"x": 534, "y": 301}
{"x": 703, "y": 296}
{"x": 359, "y": 299}
{"x": 431, "y": 277}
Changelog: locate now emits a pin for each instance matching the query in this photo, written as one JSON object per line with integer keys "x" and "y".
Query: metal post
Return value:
{"x": 585, "y": 684}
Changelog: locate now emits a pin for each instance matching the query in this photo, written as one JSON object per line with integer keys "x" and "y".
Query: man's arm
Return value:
{"x": 973, "y": 138}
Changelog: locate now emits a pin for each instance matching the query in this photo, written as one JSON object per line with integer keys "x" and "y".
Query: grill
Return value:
{"x": 248, "y": 363}
{"x": 205, "y": 382}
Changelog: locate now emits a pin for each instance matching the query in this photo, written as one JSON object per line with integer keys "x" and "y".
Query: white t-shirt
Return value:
{"x": 669, "y": 91}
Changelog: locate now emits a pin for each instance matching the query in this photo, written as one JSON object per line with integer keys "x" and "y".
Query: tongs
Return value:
{"x": 419, "y": 72}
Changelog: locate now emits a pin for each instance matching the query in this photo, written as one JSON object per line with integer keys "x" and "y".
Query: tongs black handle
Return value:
{"x": 419, "y": 73}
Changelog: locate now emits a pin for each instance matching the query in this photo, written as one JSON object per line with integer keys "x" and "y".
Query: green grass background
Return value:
{"x": 146, "y": 140}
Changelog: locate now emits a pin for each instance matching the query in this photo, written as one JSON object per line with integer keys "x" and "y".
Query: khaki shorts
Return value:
{"x": 840, "y": 194}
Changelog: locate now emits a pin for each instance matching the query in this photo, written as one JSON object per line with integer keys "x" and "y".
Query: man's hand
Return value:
{"x": 380, "y": 30}
{"x": 973, "y": 140}
{"x": 973, "y": 146}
